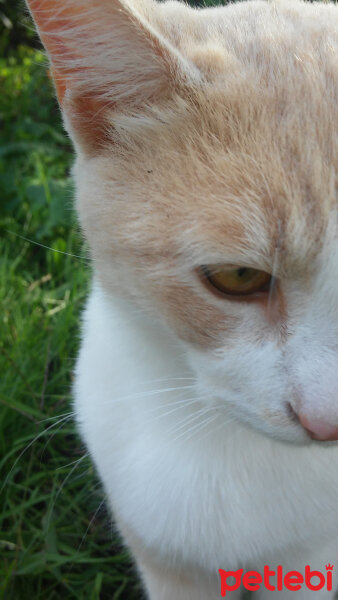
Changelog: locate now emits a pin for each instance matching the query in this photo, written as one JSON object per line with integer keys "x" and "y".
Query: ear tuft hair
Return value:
{"x": 105, "y": 55}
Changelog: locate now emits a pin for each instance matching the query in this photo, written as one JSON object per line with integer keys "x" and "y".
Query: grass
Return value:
{"x": 55, "y": 533}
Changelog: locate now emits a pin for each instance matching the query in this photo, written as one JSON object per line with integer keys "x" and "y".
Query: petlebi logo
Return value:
{"x": 276, "y": 579}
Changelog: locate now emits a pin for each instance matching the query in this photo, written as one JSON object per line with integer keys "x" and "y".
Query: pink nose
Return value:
{"x": 319, "y": 430}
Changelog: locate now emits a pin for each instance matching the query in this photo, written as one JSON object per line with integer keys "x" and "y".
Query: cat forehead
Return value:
{"x": 222, "y": 174}
{"x": 261, "y": 128}
{"x": 243, "y": 160}
{"x": 256, "y": 32}
{"x": 214, "y": 207}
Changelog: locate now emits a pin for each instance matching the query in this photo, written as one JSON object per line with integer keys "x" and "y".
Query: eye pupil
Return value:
{"x": 242, "y": 272}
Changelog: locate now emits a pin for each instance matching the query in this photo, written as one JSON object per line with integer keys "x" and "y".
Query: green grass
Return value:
{"x": 55, "y": 533}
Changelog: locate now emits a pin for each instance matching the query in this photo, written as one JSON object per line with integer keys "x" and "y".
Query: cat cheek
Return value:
{"x": 195, "y": 320}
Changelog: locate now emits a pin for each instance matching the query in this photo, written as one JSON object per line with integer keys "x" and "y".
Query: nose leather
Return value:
{"x": 318, "y": 429}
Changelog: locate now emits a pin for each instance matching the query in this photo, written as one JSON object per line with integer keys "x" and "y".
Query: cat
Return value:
{"x": 207, "y": 382}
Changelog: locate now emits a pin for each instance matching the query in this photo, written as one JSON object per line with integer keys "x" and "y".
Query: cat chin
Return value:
{"x": 291, "y": 435}
{"x": 291, "y": 439}
{"x": 281, "y": 426}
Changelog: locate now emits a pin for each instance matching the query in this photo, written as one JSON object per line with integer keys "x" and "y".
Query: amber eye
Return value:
{"x": 236, "y": 281}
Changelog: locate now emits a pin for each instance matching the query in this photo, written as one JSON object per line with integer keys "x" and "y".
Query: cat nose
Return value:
{"x": 318, "y": 429}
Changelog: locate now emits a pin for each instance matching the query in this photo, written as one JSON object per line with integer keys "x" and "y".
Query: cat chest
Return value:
{"x": 194, "y": 507}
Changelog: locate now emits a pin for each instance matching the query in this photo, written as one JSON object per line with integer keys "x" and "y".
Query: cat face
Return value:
{"x": 206, "y": 139}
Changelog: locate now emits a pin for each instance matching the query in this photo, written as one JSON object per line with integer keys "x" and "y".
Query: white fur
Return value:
{"x": 218, "y": 496}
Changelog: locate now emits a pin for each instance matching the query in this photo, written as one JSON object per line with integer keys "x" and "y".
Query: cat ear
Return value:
{"x": 105, "y": 55}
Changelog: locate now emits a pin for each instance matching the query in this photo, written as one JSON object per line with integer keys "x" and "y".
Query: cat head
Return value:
{"x": 206, "y": 185}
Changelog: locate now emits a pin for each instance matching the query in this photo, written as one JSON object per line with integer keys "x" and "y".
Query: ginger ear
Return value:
{"x": 105, "y": 56}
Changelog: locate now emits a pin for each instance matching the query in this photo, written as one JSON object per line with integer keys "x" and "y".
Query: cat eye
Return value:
{"x": 236, "y": 281}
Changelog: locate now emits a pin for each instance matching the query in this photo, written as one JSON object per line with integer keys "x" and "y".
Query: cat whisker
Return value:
{"x": 37, "y": 437}
{"x": 69, "y": 414}
{"x": 167, "y": 379}
{"x": 146, "y": 394}
{"x": 213, "y": 411}
{"x": 190, "y": 418}
{"x": 89, "y": 525}
{"x": 64, "y": 421}
{"x": 196, "y": 427}
{"x": 50, "y": 512}
{"x": 218, "y": 426}
{"x": 179, "y": 401}
{"x": 207, "y": 430}
{"x": 173, "y": 406}
{"x": 22, "y": 237}
{"x": 71, "y": 463}
{"x": 181, "y": 405}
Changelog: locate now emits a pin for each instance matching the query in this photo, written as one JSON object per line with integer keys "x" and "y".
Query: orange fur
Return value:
{"x": 193, "y": 128}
